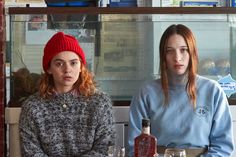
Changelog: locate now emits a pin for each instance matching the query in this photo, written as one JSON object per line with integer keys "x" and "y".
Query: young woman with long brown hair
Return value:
{"x": 186, "y": 110}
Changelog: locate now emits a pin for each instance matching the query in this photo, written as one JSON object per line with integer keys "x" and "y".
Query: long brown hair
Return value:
{"x": 85, "y": 85}
{"x": 189, "y": 38}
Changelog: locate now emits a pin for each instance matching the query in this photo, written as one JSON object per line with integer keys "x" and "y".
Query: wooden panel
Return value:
{"x": 2, "y": 82}
{"x": 124, "y": 10}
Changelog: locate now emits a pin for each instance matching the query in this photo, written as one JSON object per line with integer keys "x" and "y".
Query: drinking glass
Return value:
{"x": 175, "y": 152}
{"x": 115, "y": 151}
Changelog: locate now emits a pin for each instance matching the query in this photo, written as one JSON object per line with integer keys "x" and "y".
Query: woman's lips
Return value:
{"x": 178, "y": 66}
{"x": 67, "y": 78}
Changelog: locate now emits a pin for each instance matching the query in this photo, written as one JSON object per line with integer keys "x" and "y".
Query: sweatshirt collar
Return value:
{"x": 177, "y": 81}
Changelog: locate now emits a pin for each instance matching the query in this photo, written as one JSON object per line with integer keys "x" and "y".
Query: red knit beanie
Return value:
{"x": 58, "y": 43}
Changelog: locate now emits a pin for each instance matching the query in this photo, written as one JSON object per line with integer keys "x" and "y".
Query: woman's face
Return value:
{"x": 65, "y": 68}
{"x": 177, "y": 55}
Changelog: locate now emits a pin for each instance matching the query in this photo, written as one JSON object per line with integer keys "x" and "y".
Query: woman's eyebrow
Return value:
{"x": 184, "y": 46}
{"x": 74, "y": 59}
{"x": 58, "y": 59}
{"x": 62, "y": 60}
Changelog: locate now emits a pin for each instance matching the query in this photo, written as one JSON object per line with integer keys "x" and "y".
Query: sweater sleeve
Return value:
{"x": 30, "y": 145}
{"x": 138, "y": 111}
{"x": 221, "y": 135}
{"x": 105, "y": 132}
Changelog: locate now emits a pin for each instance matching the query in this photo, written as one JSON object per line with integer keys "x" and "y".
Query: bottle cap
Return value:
{"x": 145, "y": 122}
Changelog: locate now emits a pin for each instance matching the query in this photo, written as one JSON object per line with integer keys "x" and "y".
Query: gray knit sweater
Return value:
{"x": 81, "y": 128}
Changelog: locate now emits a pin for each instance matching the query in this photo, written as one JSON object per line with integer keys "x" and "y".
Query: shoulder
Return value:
{"x": 150, "y": 86}
{"x": 30, "y": 106}
{"x": 100, "y": 99}
{"x": 209, "y": 85}
{"x": 32, "y": 100}
{"x": 37, "y": 104}
{"x": 100, "y": 95}
{"x": 203, "y": 81}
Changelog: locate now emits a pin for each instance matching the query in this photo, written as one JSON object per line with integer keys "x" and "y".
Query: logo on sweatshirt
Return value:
{"x": 202, "y": 111}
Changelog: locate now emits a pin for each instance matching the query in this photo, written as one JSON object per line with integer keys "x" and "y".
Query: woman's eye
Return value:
{"x": 169, "y": 51}
{"x": 184, "y": 50}
{"x": 59, "y": 64}
{"x": 74, "y": 63}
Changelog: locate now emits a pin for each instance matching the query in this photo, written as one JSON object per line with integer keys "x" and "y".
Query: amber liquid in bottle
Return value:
{"x": 145, "y": 145}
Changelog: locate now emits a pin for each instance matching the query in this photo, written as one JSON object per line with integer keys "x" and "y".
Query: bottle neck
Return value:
{"x": 146, "y": 130}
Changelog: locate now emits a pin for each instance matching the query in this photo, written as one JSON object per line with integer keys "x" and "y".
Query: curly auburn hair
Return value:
{"x": 85, "y": 85}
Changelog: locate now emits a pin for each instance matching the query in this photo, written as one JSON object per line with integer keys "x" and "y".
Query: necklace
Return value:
{"x": 64, "y": 105}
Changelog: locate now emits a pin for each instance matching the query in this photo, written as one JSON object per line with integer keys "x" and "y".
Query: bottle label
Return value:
{"x": 145, "y": 147}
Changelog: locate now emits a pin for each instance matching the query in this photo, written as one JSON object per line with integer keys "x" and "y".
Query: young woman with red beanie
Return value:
{"x": 68, "y": 116}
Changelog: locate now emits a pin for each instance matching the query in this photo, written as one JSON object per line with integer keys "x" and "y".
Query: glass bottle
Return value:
{"x": 145, "y": 145}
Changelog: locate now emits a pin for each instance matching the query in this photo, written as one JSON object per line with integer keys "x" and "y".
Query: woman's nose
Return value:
{"x": 67, "y": 68}
{"x": 178, "y": 56}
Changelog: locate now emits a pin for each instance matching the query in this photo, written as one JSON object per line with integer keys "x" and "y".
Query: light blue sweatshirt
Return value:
{"x": 178, "y": 124}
